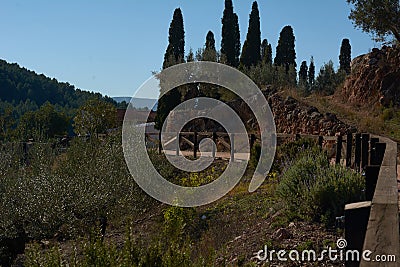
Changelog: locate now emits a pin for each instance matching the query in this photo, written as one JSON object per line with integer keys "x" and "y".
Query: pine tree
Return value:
{"x": 377, "y": 17}
{"x": 266, "y": 52}
{"x": 251, "y": 47}
{"x": 285, "y": 51}
{"x": 176, "y": 48}
{"x": 303, "y": 73}
{"x": 345, "y": 56}
{"x": 311, "y": 73}
{"x": 210, "y": 53}
{"x": 230, "y": 43}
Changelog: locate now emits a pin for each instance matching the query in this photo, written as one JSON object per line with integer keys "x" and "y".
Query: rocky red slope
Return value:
{"x": 374, "y": 79}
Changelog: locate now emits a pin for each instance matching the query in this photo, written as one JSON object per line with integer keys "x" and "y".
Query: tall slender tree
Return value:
{"x": 251, "y": 47}
{"x": 311, "y": 73}
{"x": 345, "y": 56}
{"x": 175, "y": 52}
{"x": 210, "y": 53}
{"x": 303, "y": 73}
{"x": 285, "y": 51}
{"x": 230, "y": 43}
{"x": 266, "y": 52}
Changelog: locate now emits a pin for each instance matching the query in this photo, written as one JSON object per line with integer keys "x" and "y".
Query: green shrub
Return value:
{"x": 388, "y": 114}
{"x": 316, "y": 190}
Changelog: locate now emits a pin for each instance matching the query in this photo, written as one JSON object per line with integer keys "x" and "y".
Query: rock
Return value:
{"x": 375, "y": 78}
{"x": 282, "y": 234}
{"x": 315, "y": 115}
{"x": 312, "y": 109}
{"x": 330, "y": 116}
{"x": 290, "y": 100}
{"x": 373, "y": 61}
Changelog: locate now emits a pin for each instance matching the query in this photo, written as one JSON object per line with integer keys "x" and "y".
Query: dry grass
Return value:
{"x": 366, "y": 118}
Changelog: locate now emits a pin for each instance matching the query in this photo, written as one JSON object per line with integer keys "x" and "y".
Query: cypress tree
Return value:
{"x": 303, "y": 73}
{"x": 311, "y": 73}
{"x": 266, "y": 52}
{"x": 230, "y": 43}
{"x": 210, "y": 53}
{"x": 285, "y": 51}
{"x": 251, "y": 47}
{"x": 190, "y": 56}
{"x": 174, "y": 54}
{"x": 345, "y": 56}
{"x": 176, "y": 48}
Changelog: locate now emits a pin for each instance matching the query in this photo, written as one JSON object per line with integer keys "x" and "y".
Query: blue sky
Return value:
{"x": 113, "y": 46}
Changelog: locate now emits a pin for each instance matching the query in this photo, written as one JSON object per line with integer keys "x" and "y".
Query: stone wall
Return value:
{"x": 294, "y": 117}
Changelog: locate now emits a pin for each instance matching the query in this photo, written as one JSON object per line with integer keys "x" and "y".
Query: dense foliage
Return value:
{"x": 19, "y": 85}
{"x": 285, "y": 51}
{"x": 175, "y": 52}
{"x": 328, "y": 79}
{"x": 380, "y": 18}
{"x": 230, "y": 43}
{"x": 311, "y": 188}
{"x": 266, "y": 52}
{"x": 210, "y": 53}
{"x": 345, "y": 56}
{"x": 95, "y": 117}
{"x": 251, "y": 48}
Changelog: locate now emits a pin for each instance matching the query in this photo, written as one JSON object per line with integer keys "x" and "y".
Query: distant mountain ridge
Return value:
{"x": 138, "y": 102}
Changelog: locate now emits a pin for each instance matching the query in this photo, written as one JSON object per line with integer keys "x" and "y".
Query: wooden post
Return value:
{"x": 339, "y": 142}
{"x": 214, "y": 138}
{"x": 252, "y": 140}
{"x": 356, "y": 216}
{"x": 195, "y": 145}
{"x": 371, "y": 178}
{"x": 373, "y": 141}
{"x": 364, "y": 150}
{"x": 177, "y": 143}
{"x": 159, "y": 143}
{"x": 357, "y": 152}
{"x": 320, "y": 141}
{"x": 232, "y": 137}
{"x": 349, "y": 144}
{"x": 372, "y": 144}
{"x": 379, "y": 152}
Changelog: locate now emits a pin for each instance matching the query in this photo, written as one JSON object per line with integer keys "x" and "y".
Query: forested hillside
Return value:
{"x": 35, "y": 106}
{"x": 19, "y": 84}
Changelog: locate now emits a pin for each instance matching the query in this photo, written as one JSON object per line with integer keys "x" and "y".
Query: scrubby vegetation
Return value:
{"x": 82, "y": 208}
{"x": 311, "y": 188}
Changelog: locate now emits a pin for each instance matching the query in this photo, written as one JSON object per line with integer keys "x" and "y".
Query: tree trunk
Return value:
{"x": 396, "y": 35}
